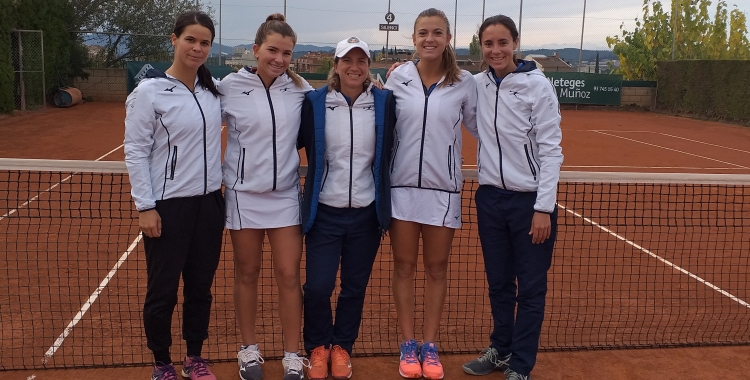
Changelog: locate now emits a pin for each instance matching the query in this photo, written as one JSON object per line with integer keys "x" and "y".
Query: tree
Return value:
{"x": 130, "y": 29}
{"x": 686, "y": 32}
{"x": 474, "y": 49}
{"x": 325, "y": 65}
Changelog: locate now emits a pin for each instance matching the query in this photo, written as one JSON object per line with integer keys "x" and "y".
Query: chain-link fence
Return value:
{"x": 27, "y": 47}
{"x": 546, "y": 26}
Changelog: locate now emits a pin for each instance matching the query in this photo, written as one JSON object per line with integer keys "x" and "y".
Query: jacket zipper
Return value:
{"x": 351, "y": 154}
{"x": 450, "y": 156}
{"x": 205, "y": 158}
{"x": 242, "y": 172}
{"x": 174, "y": 163}
{"x": 273, "y": 122}
{"x": 325, "y": 177}
{"x": 497, "y": 137}
{"x": 393, "y": 159}
{"x": 528, "y": 158}
{"x": 424, "y": 129}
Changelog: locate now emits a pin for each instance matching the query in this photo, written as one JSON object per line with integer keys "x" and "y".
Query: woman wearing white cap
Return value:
{"x": 434, "y": 98}
{"x": 347, "y": 132}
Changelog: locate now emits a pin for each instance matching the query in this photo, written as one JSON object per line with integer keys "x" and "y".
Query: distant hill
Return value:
{"x": 570, "y": 55}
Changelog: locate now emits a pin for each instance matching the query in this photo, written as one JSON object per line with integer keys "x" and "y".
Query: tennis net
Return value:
{"x": 641, "y": 260}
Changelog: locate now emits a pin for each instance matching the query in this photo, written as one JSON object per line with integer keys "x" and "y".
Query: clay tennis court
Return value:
{"x": 593, "y": 140}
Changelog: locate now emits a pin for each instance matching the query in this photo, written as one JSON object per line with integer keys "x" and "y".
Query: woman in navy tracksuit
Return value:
{"x": 519, "y": 161}
{"x": 173, "y": 155}
{"x": 347, "y": 132}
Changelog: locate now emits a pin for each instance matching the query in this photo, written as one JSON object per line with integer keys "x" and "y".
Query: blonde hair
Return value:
{"x": 334, "y": 80}
{"x": 449, "y": 63}
{"x": 276, "y": 23}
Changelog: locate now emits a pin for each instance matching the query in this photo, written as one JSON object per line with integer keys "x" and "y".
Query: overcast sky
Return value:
{"x": 545, "y": 23}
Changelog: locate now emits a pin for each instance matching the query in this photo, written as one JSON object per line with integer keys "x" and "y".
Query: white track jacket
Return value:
{"x": 519, "y": 134}
{"x": 427, "y": 148}
{"x": 263, "y": 124}
{"x": 172, "y": 140}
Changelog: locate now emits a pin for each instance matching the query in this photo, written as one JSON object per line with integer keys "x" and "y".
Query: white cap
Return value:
{"x": 350, "y": 43}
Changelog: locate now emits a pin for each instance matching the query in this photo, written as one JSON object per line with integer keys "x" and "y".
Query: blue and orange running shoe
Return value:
{"x": 431, "y": 367}
{"x": 408, "y": 366}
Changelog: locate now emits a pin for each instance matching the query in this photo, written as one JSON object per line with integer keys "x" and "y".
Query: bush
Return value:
{"x": 705, "y": 88}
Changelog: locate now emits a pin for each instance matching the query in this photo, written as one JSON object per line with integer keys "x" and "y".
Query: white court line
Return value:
{"x": 673, "y": 136}
{"x": 663, "y": 260}
{"x": 13, "y": 211}
{"x": 51, "y": 351}
{"x": 674, "y": 150}
{"x": 705, "y": 143}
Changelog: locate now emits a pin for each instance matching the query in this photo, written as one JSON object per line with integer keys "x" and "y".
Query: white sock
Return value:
{"x": 252, "y": 347}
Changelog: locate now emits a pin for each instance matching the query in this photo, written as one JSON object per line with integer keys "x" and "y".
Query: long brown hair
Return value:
{"x": 276, "y": 23}
{"x": 334, "y": 80}
{"x": 449, "y": 63}
{"x": 186, "y": 19}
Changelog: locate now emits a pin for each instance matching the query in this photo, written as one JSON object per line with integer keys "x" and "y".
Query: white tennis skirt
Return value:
{"x": 274, "y": 209}
{"x": 432, "y": 207}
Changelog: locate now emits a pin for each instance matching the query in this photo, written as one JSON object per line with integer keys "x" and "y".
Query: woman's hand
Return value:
{"x": 540, "y": 228}
{"x": 150, "y": 223}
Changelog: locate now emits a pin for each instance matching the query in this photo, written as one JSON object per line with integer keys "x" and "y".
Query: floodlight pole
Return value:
{"x": 520, "y": 18}
{"x": 455, "y": 20}
{"x": 580, "y": 50}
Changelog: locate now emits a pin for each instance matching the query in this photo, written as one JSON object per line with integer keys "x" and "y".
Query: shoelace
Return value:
{"x": 512, "y": 375}
{"x": 250, "y": 356}
{"x": 339, "y": 356}
{"x": 318, "y": 357}
{"x": 295, "y": 364}
{"x": 409, "y": 351}
{"x": 430, "y": 356}
{"x": 167, "y": 372}
{"x": 199, "y": 366}
{"x": 488, "y": 355}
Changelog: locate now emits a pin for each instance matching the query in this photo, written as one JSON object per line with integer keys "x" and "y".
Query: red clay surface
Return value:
{"x": 58, "y": 265}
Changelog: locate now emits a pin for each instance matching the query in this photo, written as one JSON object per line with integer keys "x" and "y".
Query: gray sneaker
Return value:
{"x": 487, "y": 362}
{"x": 293, "y": 367}
{"x": 249, "y": 361}
{"x": 513, "y": 375}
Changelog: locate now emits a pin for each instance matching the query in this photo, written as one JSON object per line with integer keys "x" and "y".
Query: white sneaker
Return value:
{"x": 249, "y": 361}
{"x": 293, "y": 367}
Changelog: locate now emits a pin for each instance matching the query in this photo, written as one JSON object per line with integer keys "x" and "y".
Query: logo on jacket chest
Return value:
{"x": 368, "y": 108}
{"x": 332, "y": 107}
{"x": 248, "y": 91}
{"x": 170, "y": 89}
{"x": 407, "y": 82}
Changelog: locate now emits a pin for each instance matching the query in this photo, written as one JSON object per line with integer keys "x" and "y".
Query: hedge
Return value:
{"x": 703, "y": 88}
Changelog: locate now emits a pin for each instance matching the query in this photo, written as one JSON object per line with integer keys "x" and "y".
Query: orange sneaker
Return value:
{"x": 341, "y": 366}
{"x": 431, "y": 367}
{"x": 318, "y": 363}
{"x": 408, "y": 366}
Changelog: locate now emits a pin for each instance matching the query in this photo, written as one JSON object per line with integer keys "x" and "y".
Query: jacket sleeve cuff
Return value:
{"x": 147, "y": 209}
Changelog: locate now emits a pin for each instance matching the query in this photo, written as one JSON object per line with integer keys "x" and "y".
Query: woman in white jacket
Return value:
{"x": 262, "y": 108}
{"x": 173, "y": 155}
{"x": 518, "y": 119}
{"x": 433, "y": 98}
